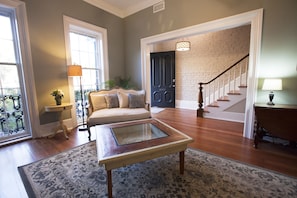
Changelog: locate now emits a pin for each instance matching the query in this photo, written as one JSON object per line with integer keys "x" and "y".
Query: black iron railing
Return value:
{"x": 11, "y": 114}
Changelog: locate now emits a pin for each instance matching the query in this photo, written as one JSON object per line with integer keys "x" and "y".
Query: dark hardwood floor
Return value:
{"x": 214, "y": 136}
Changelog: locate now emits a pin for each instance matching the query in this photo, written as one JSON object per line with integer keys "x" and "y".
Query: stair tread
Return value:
{"x": 242, "y": 86}
{"x": 213, "y": 105}
{"x": 224, "y": 100}
{"x": 234, "y": 93}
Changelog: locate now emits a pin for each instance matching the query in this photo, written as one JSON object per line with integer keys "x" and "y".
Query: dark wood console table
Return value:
{"x": 278, "y": 120}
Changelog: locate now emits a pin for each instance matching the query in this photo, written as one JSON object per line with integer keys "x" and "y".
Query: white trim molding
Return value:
{"x": 124, "y": 8}
{"x": 71, "y": 24}
{"x": 254, "y": 18}
{"x": 27, "y": 65}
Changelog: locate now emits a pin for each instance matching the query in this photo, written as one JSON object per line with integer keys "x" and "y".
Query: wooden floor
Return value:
{"x": 214, "y": 136}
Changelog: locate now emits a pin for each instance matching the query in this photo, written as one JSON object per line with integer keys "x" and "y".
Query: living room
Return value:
{"x": 276, "y": 58}
{"x": 49, "y": 66}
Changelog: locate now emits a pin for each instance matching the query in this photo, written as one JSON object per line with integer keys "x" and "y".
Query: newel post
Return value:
{"x": 200, "y": 102}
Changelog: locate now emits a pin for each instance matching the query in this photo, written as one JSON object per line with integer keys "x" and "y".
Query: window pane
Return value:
{"x": 5, "y": 32}
{"x": 84, "y": 52}
{"x": 7, "y": 54}
{"x": 9, "y": 80}
{"x": 74, "y": 41}
{"x": 91, "y": 79}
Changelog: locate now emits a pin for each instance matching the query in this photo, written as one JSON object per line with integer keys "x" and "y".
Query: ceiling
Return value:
{"x": 122, "y": 8}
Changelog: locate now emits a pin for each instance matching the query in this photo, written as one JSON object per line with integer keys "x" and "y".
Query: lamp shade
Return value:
{"x": 272, "y": 84}
{"x": 183, "y": 46}
{"x": 74, "y": 70}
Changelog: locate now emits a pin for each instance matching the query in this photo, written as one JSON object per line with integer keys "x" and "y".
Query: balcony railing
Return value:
{"x": 11, "y": 115}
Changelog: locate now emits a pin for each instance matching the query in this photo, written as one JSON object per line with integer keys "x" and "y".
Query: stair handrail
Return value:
{"x": 200, "y": 95}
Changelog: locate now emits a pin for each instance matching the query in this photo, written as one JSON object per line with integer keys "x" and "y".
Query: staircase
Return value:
{"x": 223, "y": 97}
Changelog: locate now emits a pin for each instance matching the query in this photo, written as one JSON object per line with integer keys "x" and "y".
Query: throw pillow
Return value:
{"x": 136, "y": 100}
{"x": 123, "y": 99}
{"x": 98, "y": 102}
{"x": 112, "y": 101}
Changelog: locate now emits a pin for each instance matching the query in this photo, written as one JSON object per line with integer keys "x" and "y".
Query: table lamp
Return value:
{"x": 272, "y": 85}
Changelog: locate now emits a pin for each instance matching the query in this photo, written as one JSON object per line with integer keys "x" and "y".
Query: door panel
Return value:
{"x": 163, "y": 79}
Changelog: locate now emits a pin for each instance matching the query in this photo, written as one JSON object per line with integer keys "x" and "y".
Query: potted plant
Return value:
{"x": 119, "y": 82}
{"x": 58, "y": 94}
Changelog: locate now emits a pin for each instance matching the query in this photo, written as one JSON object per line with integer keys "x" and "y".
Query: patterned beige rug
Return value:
{"x": 75, "y": 173}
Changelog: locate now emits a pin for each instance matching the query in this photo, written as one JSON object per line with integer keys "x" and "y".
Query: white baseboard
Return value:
{"x": 48, "y": 129}
{"x": 227, "y": 116}
{"x": 186, "y": 104}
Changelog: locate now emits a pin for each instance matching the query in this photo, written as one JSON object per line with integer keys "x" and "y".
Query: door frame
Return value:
{"x": 254, "y": 18}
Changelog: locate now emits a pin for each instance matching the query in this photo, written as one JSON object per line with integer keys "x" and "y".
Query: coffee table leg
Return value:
{"x": 109, "y": 183}
{"x": 181, "y": 162}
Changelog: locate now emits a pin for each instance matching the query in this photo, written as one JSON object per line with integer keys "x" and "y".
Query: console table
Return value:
{"x": 59, "y": 109}
{"x": 278, "y": 120}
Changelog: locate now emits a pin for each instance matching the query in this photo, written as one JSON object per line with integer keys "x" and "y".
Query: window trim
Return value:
{"x": 27, "y": 65}
{"x": 68, "y": 22}
{"x": 71, "y": 23}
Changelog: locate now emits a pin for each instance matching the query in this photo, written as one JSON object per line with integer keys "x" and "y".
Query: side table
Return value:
{"x": 278, "y": 120}
{"x": 59, "y": 109}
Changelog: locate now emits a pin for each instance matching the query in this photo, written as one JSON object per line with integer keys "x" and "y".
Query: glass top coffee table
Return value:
{"x": 126, "y": 143}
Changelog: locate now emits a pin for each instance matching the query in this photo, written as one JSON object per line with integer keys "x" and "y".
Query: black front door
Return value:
{"x": 163, "y": 79}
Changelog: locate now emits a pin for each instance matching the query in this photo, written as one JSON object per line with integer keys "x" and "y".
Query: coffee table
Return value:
{"x": 126, "y": 143}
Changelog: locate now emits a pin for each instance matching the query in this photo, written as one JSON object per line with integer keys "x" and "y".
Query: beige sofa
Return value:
{"x": 116, "y": 105}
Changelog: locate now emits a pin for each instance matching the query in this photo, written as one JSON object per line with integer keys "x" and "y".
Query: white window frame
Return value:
{"x": 71, "y": 24}
{"x": 31, "y": 106}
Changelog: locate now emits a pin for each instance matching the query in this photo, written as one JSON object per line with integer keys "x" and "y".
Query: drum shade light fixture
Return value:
{"x": 183, "y": 46}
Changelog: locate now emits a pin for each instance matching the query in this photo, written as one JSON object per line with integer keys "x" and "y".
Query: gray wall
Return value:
{"x": 279, "y": 40}
{"x": 45, "y": 20}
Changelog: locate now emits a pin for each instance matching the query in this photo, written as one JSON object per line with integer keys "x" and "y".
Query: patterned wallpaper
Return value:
{"x": 210, "y": 54}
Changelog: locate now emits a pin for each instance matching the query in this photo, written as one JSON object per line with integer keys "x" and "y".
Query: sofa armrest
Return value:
{"x": 147, "y": 106}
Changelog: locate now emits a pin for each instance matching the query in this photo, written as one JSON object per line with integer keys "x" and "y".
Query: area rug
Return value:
{"x": 75, "y": 173}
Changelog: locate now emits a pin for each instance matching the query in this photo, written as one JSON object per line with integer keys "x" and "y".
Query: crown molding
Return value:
{"x": 122, "y": 12}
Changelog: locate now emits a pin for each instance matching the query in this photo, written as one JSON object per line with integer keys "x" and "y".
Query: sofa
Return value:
{"x": 116, "y": 105}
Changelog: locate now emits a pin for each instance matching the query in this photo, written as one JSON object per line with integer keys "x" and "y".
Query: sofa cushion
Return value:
{"x": 112, "y": 100}
{"x": 136, "y": 100}
{"x": 98, "y": 102}
{"x": 106, "y": 116}
{"x": 123, "y": 99}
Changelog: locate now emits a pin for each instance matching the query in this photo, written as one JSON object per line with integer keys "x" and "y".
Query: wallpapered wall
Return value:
{"x": 210, "y": 54}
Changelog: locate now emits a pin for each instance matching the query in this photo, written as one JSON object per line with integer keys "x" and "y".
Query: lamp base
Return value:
{"x": 82, "y": 128}
{"x": 271, "y": 96}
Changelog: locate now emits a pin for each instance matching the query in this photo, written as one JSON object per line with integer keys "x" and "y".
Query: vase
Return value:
{"x": 58, "y": 100}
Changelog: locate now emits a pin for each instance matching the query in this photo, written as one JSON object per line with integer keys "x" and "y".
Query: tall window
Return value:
{"x": 85, "y": 51}
{"x": 86, "y": 46}
{"x": 13, "y": 116}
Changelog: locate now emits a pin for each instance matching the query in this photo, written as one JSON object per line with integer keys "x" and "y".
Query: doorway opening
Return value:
{"x": 254, "y": 18}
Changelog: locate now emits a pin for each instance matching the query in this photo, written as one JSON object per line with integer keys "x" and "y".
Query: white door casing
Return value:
{"x": 254, "y": 18}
